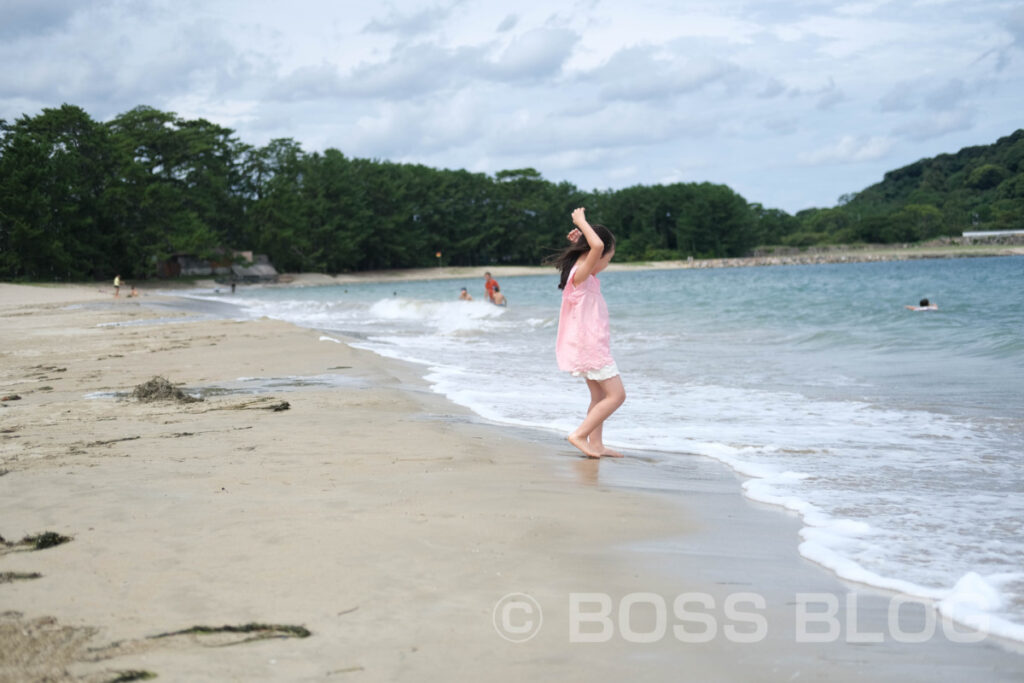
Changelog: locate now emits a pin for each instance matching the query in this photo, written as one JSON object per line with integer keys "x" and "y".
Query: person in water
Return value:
{"x": 464, "y": 295}
{"x": 489, "y": 284}
{"x": 499, "y": 298}
{"x": 924, "y": 305}
{"x": 583, "y": 345}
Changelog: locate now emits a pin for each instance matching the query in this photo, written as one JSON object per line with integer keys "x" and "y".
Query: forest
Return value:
{"x": 82, "y": 199}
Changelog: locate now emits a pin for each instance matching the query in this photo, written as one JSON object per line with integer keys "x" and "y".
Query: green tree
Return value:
{"x": 276, "y": 220}
{"x": 56, "y": 169}
{"x": 720, "y": 223}
{"x": 772, "y": 225}
{"x": 987, "y": 176}
{"x": 167, "y": 200}
{"x": 914, "y": 222}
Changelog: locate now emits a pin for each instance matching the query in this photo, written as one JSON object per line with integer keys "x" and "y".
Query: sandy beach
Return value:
{"x": 349, "y": 525}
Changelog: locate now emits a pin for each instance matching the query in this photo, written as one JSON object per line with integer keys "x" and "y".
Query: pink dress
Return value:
{"x": 584, "y": 338}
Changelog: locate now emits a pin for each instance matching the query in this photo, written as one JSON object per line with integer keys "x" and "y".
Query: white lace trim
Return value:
{"x": 599, "y": 375}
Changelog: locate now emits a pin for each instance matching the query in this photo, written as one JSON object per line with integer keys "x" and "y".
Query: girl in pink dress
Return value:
{"x": 583, "y": 346}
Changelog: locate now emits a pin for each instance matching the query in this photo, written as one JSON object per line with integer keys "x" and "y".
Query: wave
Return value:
{"x": 445, "y": 317}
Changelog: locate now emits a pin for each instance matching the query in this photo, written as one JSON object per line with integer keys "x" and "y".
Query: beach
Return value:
{"x": 350, "y": 524}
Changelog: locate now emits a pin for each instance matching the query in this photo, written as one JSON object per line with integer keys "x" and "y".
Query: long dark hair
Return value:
{"x": 566, "y": 259}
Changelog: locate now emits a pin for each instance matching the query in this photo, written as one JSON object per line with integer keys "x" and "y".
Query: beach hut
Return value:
{"x": 255, "y": 269}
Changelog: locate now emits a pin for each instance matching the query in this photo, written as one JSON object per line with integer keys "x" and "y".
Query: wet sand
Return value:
{"x": 384, "y": 520}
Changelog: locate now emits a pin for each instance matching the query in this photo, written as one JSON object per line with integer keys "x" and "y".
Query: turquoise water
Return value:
{"x": 898, "y": 436}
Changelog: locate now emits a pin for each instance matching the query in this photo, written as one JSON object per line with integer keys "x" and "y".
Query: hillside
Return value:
{"x": 977, "y": 188}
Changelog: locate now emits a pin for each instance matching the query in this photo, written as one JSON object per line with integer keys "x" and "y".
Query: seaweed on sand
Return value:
{"x": 132, "y": 675}
{"x": 160, "y": 389}
{"x": 47, "y": 539}
{"x": 259, "y": 631}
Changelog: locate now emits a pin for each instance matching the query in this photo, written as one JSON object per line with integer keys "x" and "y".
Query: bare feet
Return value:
{"x": 598, "y": 447}
{"x": 583, "y": 446}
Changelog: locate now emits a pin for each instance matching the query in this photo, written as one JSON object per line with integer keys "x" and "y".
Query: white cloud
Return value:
{"x": 902, "y": 96}
{"x": 409, "y": 23}
{"x": 598, "y": 93}
{"x": 508, "y": 23}
{"x": 645, "y": 73}
{"x": 849, "y": 149}
{"x": 938, "y": 124}
{"x": 1015, "y": 25}
{"x": 782, "y": 125}
{"x": 830, "y": 95}
{"x": 860, "y": 8}
{"x": 772, "y": 88}
{"x": 947, "y": 96}
{"x": 22, "y": 18}
{"x": 535, "y": 54}
{"x": 847, "y": 37}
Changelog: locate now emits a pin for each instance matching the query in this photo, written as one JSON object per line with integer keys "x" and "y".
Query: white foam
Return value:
{"x": 446, "y": 317}
{"x": 975, "y": 600}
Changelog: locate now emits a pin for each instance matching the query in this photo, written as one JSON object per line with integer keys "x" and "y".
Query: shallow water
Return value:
{"x": 897, "y": 435}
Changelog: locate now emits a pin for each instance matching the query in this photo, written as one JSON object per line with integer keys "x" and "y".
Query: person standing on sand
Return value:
{"x": 489, "y": 284}
{"x": 583, "y": 346}
{"x": 117, "y": 285}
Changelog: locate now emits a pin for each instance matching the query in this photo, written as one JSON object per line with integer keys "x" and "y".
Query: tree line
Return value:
{"x": 82, "y": 199}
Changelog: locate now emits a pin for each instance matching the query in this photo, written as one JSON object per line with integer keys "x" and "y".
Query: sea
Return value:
{"x": 897, "y": 436}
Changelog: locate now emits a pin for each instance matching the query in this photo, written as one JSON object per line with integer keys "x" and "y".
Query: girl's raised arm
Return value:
{"x": 586, "y": 266}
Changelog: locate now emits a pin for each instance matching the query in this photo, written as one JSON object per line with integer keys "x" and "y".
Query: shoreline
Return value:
{"x": 373, "y": 512}
{"x": 812, "y": 256}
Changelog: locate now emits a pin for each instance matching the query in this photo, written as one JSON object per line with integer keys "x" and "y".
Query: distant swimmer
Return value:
{"x": 499, "y": 298}
{"x": 925, "y": 305}
{"x": 464, "y": 295}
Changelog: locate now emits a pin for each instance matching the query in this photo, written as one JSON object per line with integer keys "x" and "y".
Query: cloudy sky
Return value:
{"x": 790, "y": 102}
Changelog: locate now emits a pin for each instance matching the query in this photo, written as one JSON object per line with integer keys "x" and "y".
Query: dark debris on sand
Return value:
{"x": 160, "y": 389}
{"x": 47, "y": 539}
{"x": 258, "y": 631}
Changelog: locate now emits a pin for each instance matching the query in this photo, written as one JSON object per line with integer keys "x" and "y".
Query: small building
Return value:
{"x": 183, "y": 264}
{"x": 991, "y": 233}
{"x": 255, "y": 269}
{"x": 238, "y": 266}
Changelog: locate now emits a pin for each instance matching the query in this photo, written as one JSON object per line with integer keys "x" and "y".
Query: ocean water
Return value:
{"x": 897, "y": 436}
